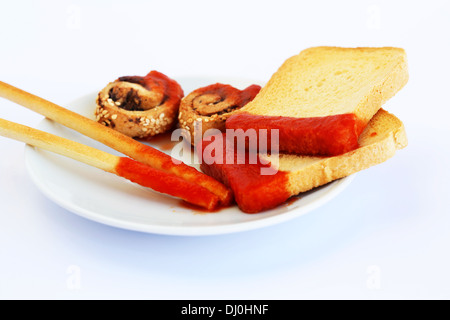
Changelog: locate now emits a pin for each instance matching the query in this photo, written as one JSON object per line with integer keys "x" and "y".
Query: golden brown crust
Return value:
{"x": 384, "y": 91}
{"x": 209, "y": 107}
{"x": 138, "y": 106}
{"x": 59, "y": 145}
{"x": 133, "y": 123}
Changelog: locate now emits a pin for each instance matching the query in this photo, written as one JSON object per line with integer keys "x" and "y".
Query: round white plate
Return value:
{"x": 114, "y": 201}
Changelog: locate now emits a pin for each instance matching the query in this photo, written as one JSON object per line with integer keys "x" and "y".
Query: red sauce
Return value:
{"x": 319, "y": 136}
{"x": 233, "y": 97}
{"x": 198, "y": 210}
{"x": 167, "y": 146}
{"x": 292, "y": 200}
{"x": 162, "y": 161}
{"x": 162, "y": 141}
{"x": 166, "y": 183}
{"x": 253, "y": 191}
{"x": 159, "y": 82}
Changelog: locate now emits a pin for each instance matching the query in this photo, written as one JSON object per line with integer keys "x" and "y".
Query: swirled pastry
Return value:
{"x": 209, "y": 107}
{"x": 140, "y": 107}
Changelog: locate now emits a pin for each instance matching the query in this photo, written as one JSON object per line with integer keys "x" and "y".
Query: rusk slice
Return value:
{"x": 320, "y": 83}
{"x": 254, "y": 192}
{"x": 383, "y": 136}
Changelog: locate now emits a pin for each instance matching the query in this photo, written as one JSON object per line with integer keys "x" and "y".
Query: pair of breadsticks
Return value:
{"x": 144, "y": 165}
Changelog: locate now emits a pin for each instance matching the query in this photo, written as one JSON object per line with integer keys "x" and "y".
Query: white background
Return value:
{"x": 385, "y": 237}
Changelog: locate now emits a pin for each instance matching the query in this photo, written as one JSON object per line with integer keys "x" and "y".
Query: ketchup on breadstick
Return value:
{"x": 118, "y": 141}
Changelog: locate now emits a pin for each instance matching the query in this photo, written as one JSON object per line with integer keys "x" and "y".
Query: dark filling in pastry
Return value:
{"x": 129, "y": 98}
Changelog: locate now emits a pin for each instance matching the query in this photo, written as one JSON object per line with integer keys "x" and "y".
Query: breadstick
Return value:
{"x": 124, "y": 144}
{"x": 122, "y": 166}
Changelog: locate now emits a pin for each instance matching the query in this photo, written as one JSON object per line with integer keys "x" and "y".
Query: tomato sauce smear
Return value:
{"x": 166, "y": 183}
{"x": 317, "y": 136}
{"x": 254, "y": 190}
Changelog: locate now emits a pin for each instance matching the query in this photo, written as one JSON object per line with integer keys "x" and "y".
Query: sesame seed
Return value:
{"x": 104, "y": 111}
{"x": 114, "y": 116}
{"x": 161, "y": 116}
{"x": 118, "y": 103}
{"x": 144, "y": 129}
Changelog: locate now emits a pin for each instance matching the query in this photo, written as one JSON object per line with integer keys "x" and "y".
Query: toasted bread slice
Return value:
{"x": 254, "y": 192}
{"x": 321, "y": 84}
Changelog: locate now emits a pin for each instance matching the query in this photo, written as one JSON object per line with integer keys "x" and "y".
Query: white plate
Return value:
{"x": 111, "y": 200}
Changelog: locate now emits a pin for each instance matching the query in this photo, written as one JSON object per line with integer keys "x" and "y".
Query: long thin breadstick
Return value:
{"x": 124, "y": 144}
{"x": 124, "y": 167}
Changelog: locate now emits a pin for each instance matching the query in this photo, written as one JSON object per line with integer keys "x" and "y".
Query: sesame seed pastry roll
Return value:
{"x": 140, "y": 107}
{"x": 212, "y": 105}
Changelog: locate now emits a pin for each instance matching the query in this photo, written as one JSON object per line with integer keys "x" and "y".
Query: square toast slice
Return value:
{"x": 322, "y": 99}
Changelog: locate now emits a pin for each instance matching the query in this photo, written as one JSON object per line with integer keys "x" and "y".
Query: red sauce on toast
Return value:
{"x": 318, "y": 136}
{"x": 253, "y": 191}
